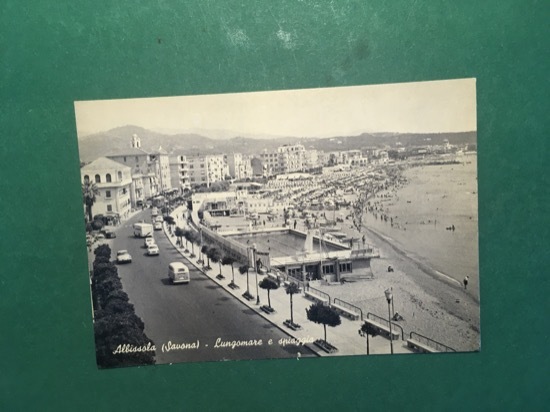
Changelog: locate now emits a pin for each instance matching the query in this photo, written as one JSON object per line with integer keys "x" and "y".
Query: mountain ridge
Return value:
{"x": 119, "y": 138}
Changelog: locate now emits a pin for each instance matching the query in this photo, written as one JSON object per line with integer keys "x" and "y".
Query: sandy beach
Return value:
{"x": 429, "y": 261}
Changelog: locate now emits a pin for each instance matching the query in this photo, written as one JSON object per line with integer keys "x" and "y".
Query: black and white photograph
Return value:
{"x": 282, "y": 224}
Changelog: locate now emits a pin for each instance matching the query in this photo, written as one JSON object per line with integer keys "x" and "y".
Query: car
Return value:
{"x": 152, "y": 250}
{"x": 149, "y": 241}
{"x": 109, "y": 233}
{"x": 159, "y": 219}
{"x": 122, "y": 256}
{"x": 157, "y": 226}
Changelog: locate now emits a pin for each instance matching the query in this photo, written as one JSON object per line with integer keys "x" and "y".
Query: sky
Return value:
{"x": 420, "y": 107}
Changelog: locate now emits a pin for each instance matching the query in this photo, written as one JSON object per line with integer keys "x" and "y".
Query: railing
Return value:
{"x": 437, "y": 346}
{"x": 317, "y": 293}
{"x": 386, "y": 323}
{"x": 348, "y": 306}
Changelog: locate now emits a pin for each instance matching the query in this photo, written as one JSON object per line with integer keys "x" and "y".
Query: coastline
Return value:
{"x": 432, "y": 301}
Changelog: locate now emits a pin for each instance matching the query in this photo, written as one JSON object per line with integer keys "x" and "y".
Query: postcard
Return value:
{"x": 283, "y": 224}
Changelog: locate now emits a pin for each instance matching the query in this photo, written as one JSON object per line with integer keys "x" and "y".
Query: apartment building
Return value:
{"x": 179, "y": 171}
{"x": 207, "y": 169}
{"x": 115, "y": 186}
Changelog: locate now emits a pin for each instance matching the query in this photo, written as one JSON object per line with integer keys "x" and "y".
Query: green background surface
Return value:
{"x": 56, "y": 52}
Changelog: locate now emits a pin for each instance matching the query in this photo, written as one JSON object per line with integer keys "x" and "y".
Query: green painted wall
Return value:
{"x": 55, "y": 52}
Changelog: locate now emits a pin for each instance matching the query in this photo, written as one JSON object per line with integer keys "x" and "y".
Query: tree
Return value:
{"x": 215, "y": 256}
{"x": 291, "y": 289}
{"x": 244, "y": 269}
{"x": 197, "y": 241}
{"x": 229, "y": 260}
{"x": 89, "y": 193}
{"x": 325, "y": 315}
{"x": 268, "y": 284}
{"x": 187, "y": 236}
{"x": 204, "y": 251}
{"x": 193, "y": 237}
{"x": 179, "y": 232}
{"x": 366, "y": 330}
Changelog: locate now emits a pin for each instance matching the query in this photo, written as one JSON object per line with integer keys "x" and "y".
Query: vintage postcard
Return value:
{"x": 283, "y": 224}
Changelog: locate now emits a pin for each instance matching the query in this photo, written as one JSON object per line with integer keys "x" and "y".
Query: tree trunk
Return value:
{"x": 325, "y": 326}
{"x": 247, "y": 284}
{"x": 232, "y": 274}
{"x": 291, "y": 315}
{"x": 268, "y": 299}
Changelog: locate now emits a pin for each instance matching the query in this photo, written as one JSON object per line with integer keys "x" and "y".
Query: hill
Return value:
{"x": 115, "y": 140}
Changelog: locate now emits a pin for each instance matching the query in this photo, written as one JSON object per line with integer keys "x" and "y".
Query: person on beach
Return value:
{"x": 465, "y": 281}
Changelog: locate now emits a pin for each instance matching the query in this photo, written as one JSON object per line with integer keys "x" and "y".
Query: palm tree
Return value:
{"x": 291, "y": 289}
{"x": 89, "y": 193}
{"x": 269, "y": 284}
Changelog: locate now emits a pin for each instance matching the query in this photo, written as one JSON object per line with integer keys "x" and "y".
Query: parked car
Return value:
{"x": 149, "y": 241}
{"x": 122, "y": 256}
{"x": 159, "y": 219}
{"x": 152, "y": 250}
{"x": 109, "y": 233}
{"x": 157, "y": 225}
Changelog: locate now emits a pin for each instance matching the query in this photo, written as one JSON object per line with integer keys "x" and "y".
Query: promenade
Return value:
{"x": 345, "y": 337}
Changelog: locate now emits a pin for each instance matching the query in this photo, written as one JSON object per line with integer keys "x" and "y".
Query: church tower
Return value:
{"x": 136, "y": 141}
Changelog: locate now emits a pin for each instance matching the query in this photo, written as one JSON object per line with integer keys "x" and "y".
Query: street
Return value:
{"x": 198, "y": 313}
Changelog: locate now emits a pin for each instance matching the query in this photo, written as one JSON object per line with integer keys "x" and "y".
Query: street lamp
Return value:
{"x": 389, "y": 298}
{"x": 256, "y": 272}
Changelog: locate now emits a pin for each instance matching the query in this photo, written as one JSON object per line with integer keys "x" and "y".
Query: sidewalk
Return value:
{"x": 345, "y": 336}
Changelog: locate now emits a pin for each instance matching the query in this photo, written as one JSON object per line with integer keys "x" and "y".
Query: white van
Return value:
{"x": 178, "y": 272}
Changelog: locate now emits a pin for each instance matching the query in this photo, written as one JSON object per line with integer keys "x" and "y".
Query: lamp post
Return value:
{"x": 256, "y": 272}
{"x": 389, "y": 298}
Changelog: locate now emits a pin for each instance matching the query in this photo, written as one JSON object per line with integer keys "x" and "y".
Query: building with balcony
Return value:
{"x": 114, "y": 183}
{"x": 179, "y": 172}
{"x": 207, "y": 169}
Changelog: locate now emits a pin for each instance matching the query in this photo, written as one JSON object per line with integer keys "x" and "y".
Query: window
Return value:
{"x": 86, "y": 179}
{"x": 108, "y": 178}
{"x": 137, "y": 159}
{"x": 97, "y": 179}
{"x": 124, "y": 190}
{"x": 345, "y": 267}
{"x": 124, "y": 160}
{"x": 328, "y": 269}
{"x": 120, "y": 174}
{"x": 109, "y": 208}
{"x": 107, "y": 194}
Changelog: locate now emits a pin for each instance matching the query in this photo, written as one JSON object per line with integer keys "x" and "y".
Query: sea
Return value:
{"x": 435, "y": 218}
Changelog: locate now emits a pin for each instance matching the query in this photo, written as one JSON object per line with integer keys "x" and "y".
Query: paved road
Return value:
{"x": 199, "y": 311}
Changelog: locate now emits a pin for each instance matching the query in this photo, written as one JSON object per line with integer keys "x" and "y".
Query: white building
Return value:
{"x": 179, "y": 172}
{"x": 205, "y": 170}
{"x": 114, "y": 183}
{"x": 239, "y": 166}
